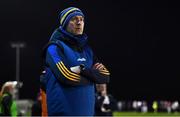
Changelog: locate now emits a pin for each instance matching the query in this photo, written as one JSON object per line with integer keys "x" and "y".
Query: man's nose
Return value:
{"x": 79, "y": 22}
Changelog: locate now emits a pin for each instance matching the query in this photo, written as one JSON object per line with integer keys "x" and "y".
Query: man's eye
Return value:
{"x": 73, "y": 19}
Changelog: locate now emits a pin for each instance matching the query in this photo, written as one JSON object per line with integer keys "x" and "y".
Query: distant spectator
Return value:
{"x": 155, "y": 106}
{"x": 144, "y": 107}
{"x": 7, "y": 104}
{"x": 105, "y": 103}
{"x": 36, "y": 107}
{"x": 175, "y": 106}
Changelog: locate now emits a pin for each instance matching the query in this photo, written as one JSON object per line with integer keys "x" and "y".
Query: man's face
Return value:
{"x": 76, "y": 25}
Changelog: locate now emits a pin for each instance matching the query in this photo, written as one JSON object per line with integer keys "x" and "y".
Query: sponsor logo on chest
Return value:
{"x": 81, "y": 59}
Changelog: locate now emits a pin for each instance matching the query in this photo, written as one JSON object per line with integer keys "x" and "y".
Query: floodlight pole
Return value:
{"x": 17, "y": 46}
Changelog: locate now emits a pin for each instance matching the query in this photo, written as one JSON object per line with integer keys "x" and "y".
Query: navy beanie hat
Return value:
{"x": 67, "y": 14}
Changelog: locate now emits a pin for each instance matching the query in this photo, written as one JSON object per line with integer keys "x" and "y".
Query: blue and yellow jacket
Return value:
{"x": 65, "y": 92}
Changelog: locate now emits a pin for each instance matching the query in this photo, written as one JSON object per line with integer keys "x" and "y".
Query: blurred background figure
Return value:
{"x": 144, "y": 107}
{"x": 175, "y": 106}
{"x": 36, "y": 107}
{"x": 105, "y": 103}
{"x": 139, "y": 106}
{"x": 7, "y": 99}
{"x": 155, "y": 106}
{"x": 119, "y": 105}
{"x": 167, "y": 105}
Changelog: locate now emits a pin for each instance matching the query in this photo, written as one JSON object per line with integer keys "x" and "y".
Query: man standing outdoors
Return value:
{"x": 71, "y": 69}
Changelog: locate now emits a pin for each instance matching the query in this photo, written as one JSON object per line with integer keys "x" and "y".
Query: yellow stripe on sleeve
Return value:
{"x": 72, "y": 76}
{"x": 68, "y": 70}
{"x": 105, "y": 73}
{"x": 65, "y": 74}
{"x": 104, "y": 70}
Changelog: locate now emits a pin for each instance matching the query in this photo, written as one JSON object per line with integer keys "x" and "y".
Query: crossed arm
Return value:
{"x": 97, "y": 74}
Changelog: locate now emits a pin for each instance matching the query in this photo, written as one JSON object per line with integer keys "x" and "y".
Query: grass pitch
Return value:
{"x": 149, "y": 114}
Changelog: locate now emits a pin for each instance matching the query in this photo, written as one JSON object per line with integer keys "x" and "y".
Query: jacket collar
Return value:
{"x": 76, "y": 40}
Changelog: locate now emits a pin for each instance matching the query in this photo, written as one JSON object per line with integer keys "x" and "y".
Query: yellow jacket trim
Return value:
{"x": 106, "y": 73}
{"x": 65, "y": 74}
{"x": 104, "y": 70}
{"x": 62, "y": 68}
{"x": 68, "y": 70}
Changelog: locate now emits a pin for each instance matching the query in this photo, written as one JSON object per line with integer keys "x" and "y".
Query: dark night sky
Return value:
{"x": 137, "y": 40}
